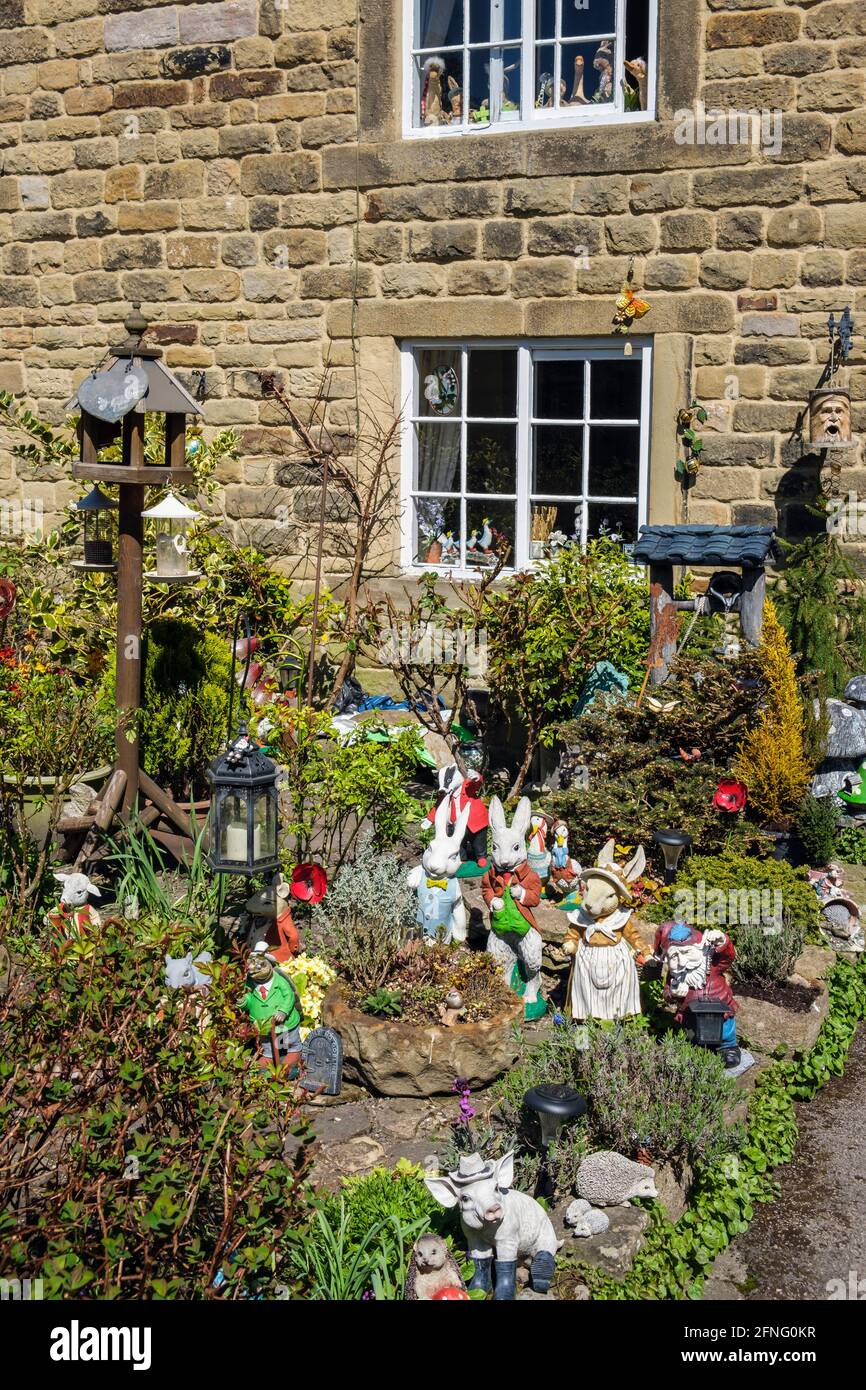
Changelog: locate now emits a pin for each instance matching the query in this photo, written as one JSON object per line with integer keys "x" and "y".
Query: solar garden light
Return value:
{"x": 672, "y": 843}
{"x": 554, "y": 1105}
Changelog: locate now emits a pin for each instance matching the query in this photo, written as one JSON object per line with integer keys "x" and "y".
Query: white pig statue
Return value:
{"x": 501, "y": 1226}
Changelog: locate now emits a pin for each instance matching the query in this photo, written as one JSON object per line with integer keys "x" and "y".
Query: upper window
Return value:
{"x": 487, "y": 64}
{"x": 530, "y": 443}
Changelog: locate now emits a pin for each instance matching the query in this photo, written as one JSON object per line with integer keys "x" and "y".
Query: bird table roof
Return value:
{"x": 704, "y": 545}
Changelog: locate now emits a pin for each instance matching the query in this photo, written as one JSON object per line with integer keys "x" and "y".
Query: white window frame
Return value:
{"x": 546, "y": 349}
{"x": 529, "y": 117}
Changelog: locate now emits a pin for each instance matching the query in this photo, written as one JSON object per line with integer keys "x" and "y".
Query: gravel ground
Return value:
{"x": 816, "y": 1232}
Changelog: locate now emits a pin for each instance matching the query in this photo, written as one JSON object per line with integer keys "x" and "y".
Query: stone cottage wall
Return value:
{"x": 208, "y": 161}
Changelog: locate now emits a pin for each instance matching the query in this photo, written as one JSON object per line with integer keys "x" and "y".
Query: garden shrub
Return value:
{"x": 726, "y": 889}
{"x": 767, "y": 957}
{"x": 817, "y": 829}
{"x": 820, "y": 602}
{"x": 851, "y": 844}
{"x": 547, "y": 628}
{"x": 143, "y": 1154}
{"x": 663, "y": 1096}
{"x": 772, "y": 757}
{"x": 638, "y": 778}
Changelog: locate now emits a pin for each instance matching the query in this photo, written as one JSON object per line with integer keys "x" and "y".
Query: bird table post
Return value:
{"x": 129, "y": 586}
{"x": 752, "y": 603}
{"x": 664, "y": 623}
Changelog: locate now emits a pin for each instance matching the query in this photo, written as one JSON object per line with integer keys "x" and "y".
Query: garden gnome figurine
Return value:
{"x": 565, "y": 872}
{"x": 696, "y": 970}
{"x": 74, "y": 917}
{"x": 273, "y": 1006}
{"x": 511, "y": 889}
{"x": 601, "y": 938}
{"x": 459, "y": 792}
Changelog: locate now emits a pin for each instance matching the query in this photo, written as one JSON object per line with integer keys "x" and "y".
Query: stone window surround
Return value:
{"x": 580, "y": 116}
{"x": 641, "y": 349}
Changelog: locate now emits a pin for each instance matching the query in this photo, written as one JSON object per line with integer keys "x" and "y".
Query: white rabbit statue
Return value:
{"x": 511, "y": 889}
{"x": 441, "y": 911}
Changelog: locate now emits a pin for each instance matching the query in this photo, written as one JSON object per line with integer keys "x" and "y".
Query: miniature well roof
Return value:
{"x": 704, "y": 545}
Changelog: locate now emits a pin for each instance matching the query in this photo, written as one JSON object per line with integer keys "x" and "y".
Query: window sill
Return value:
{"x": 592, "y": 119}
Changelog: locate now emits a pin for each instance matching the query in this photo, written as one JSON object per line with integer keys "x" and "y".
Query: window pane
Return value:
{"x": 558, "y": 469}
{"x": 544, "y": 76}
{"x": 488, "y": 523}
{"x": 510, "y": 59}
{"x": 617, "y": 521}
{"x": 441, "y": 24}
{"x": 588, "y": 17}
{"x": 559, "y": 389}
{"x": 479, "y": 86}
{"x": 492, "y": 384}
{"x": 491, "y": 458}
{"x": 479, "y": 21}
{"x": 438, "y": 382}
{"x": 436, "y": 531}
{"x": 438, "y": 458}
{"x": 512, "y": 18}
{"x": 554, "y": 523}
{"x": 438, "y": 82}
{"x": 614, "y": 389}
{"x": 614, "y": 460}
{"x": 545, "y": 18}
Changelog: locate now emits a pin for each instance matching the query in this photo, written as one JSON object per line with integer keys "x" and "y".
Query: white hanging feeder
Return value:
{"x": 173, "y": 519}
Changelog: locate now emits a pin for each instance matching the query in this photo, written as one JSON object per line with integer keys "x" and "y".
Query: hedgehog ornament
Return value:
{"x": 608, "y": 1179}
{"x": 433, "y": 1272}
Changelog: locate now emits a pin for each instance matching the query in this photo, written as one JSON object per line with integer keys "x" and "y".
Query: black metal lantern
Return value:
{"x": 704, "y": 1020}
{"x": 243, "y": 827}
{"x": 98, "y": 554}
{"x": 672, "y": 842}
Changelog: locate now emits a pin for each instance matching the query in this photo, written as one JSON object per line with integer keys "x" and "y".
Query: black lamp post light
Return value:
{"x": 672, "y": 843}
{"x": 554, "y": 1105}
{"x": 243, "y": 825}
{"x": 98, "y": 549}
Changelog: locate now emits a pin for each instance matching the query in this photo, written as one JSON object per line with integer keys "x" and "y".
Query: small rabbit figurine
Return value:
{"x": 511, "y": 889}
{"x": 441, "y": 910}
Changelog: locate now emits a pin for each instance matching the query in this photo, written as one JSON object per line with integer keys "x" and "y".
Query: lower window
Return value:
{"x": 524, "y": 445}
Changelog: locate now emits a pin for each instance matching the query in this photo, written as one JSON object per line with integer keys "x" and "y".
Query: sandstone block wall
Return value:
{"x": 238, "y": 168}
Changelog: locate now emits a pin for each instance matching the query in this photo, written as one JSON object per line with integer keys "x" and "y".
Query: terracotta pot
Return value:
{"x": 434, "y": 553}
{"x": 393, "y": 1058}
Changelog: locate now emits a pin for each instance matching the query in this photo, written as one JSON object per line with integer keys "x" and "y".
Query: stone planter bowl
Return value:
{"x": 393, "y": 1058}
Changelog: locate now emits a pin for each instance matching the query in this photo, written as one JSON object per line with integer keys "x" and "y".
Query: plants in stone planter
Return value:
{"x": 422, "y": 975}
{"x": 366, "y": 919}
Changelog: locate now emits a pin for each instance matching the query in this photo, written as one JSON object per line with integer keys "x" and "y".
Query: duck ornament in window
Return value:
{"x": 432, "y": 110}
{"x": 603, "y": 941}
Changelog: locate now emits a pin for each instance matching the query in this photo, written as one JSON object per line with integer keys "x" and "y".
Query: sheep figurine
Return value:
{"x": 501, "y": 1226}
{"x": 432, "y": 1270}
{"x": 608, "y": 1179}
{"x": 584, "y": 1219}
{"x": 74, "y": 917}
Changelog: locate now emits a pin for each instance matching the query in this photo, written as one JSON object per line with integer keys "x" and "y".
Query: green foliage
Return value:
{"x": 686, "y": 468}
{"x": 142, "y": 1151}
{"x": 143, "y": 877}
{"x": 851, "y": 844}
{"x": 185, "y": 697}
{"x": 821, "y": 605}
{"x": 817, "y": 829}
{"x": 677, "y": 1258}
{"x": 361, "y": 1239}
{"x": 766, "y": 956}
{"x": 705, "y": 876}
{"x": 546, "y": 629}
{"x": 339, "y": 787}
{"x": 660, "y": 1095}
{"x": 388, "y": 1003}
{"x": 365, "y": 919}
{"x": 638, "y": 779}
